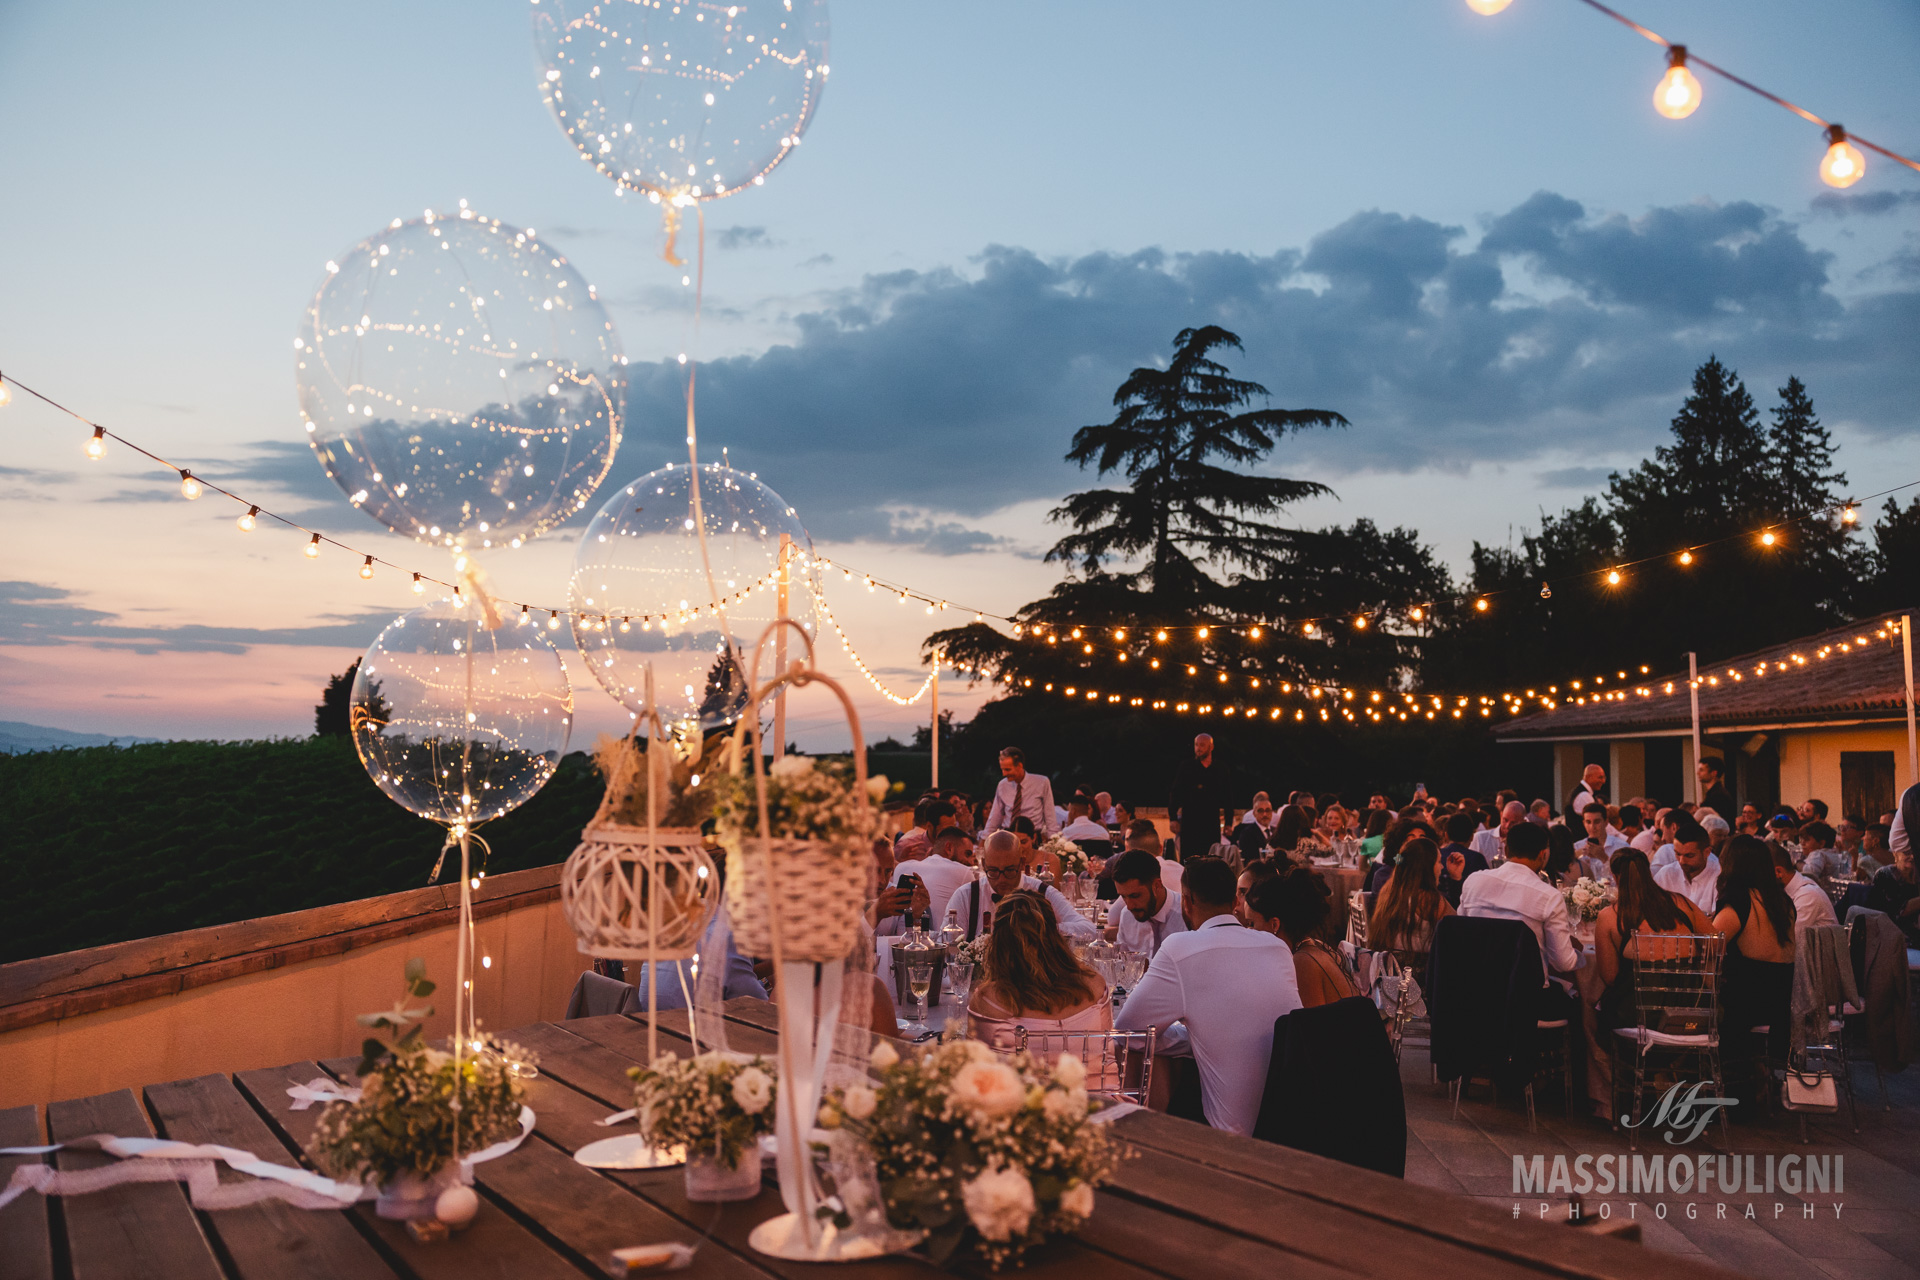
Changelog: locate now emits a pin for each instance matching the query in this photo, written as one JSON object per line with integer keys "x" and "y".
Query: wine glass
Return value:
{"x": 919, "y": 981}
{"x": 960, "y": 982}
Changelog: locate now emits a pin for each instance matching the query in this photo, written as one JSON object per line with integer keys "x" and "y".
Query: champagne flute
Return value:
{"x": 919, "y": 981}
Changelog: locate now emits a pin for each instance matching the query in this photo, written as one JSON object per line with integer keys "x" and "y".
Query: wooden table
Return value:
{"x": 1193, "y": 1202}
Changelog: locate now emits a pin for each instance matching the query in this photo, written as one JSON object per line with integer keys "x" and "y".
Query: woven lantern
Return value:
{"x": 629, "y": 897}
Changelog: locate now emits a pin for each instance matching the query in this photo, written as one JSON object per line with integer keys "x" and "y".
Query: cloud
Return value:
{"x": 819, "y": 260}
{"x": 958, "y": 390}
{"x": 33, "y": 613}
{"x": 1575, "y": 477}
{"x": 1844, "y": 204}
{"x": 745, "y": 238}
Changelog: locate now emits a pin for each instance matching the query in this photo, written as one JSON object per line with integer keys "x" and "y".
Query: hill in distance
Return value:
{"x": 16, "y": 737}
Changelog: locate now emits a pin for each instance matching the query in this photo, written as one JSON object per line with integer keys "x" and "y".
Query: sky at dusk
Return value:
{"x": 1471, "y": 236}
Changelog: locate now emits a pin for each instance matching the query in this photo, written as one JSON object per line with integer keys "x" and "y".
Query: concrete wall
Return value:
{"x": 305, "y": 1010}
{"x": 1810, "y": 761}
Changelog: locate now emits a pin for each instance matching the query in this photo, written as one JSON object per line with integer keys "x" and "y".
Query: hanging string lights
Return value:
{"x": 1678, "y": 95}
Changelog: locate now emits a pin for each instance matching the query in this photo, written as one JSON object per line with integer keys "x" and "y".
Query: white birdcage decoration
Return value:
{"x": 630, "y": 894}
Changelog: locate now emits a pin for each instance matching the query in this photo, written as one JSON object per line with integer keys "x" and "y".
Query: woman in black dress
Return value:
{"x": 1755, "y": 915}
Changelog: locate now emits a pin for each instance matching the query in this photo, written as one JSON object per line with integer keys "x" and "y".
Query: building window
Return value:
{"x": 1866, "y": 783}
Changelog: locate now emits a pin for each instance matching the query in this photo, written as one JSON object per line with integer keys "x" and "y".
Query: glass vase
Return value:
{"x": 710, "y": 1180}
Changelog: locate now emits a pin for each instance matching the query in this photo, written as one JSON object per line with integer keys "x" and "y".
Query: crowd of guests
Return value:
{"x": 1235, "y": 918}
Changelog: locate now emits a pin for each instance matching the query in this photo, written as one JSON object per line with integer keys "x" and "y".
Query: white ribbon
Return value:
{"x": 161, "y": 1160}
{"x": 619, "y": 1117}
{"x": 319, "y": 1089}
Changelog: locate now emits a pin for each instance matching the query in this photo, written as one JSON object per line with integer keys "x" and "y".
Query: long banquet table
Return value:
{"x": 1191, "y": 1202}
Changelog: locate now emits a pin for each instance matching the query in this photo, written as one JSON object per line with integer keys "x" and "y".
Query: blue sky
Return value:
{"x": 1471, "y": 236}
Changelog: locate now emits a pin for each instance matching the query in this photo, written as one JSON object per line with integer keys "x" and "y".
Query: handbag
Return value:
{"x": 1810, "y": 1092}
{"x": 1683, "y": 1022}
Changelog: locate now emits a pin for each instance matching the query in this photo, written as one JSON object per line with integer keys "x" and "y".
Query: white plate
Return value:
{"x": 628, "y": 1151}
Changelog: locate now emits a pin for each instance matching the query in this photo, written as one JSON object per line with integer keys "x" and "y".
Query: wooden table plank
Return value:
{"x": 271, "y": 1240}
{"x": 24, "y": 1226}
{"x": 493, "y": 1245}
{"x": 127, "y": 1232}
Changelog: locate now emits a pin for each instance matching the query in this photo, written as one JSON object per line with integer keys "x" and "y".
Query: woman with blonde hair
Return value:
{"x": 1032, "y": 980}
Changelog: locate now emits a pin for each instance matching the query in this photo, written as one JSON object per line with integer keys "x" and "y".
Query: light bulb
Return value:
{"x": 1416, "y": 613}
{"x": 96, "y": 447}
{"x": 1488, "y": 7}
{"x": 366, "y": 570}
{"x": 1843, "y": 164}
{"x": 246, "y": 522}
{"x": 1546, "y": 592}
{"x": 313, "y": 547}
{"x": 419, "y": 587}
{"x": 1360, "y": 622}
{"x": 1767, "y": 539}
{"x": 189, "y": 487}
{"x": 1686, "y": 557}
{"x": 1678, "y": 93}
{"x": 6, "y": 396}
{"x": 1613, "y": 577}
{"x": 459, "y": 602}
{"x": 1851, "y": 515}
{"x": 553, "y": 621}
{"x": 1481, "y": 604}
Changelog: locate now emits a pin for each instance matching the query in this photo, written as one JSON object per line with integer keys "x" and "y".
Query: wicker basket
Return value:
{"x": 819, "y": 888}
{"x": 605, "y": 892}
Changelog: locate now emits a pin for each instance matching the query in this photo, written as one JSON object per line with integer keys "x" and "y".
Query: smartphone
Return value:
{"x": 910, "y": 883}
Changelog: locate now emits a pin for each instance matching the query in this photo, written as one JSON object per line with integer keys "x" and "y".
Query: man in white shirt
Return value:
{"x": 1596, "y": 851}
{"x": 1147, "y": 912}
{"x": 1694, "y": 873}
{"x": 1021, "y": 794}
{"x": 1647, "y": 840}
{"x": 1593, "y": 780}
{"x": 1819, "y": 859}
{"x": 1491, "y": 842}
{"x": 1811, "y": 905}
{"x": 1515, "y": 891}
{"x": 1900, "y": 833}
{"x": 1002, "y": 871}
{"x": 1228, "y": 984}
{"x": 1103, "y": 808}
{"x": 1080, "y": 823}
{"x": 945, "y": 868}
{"x": 1663, "y": 854}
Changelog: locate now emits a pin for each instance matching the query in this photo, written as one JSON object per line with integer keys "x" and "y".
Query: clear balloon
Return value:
{"x": 460, "y": 381}
{"x": 641, "y": 596}
{"x": 682, "y": 101}
{"x": 458, "y": 723}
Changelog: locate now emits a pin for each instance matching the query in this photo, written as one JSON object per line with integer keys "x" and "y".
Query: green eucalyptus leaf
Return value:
{"x": 423, "y": 988}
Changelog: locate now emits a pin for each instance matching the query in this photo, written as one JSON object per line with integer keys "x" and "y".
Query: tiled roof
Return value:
{"x": 1862, "y": 675}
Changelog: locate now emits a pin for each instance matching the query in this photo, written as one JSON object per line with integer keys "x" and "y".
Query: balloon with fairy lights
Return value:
{"x": 645, "y": 586}
{"x": 457, "y": 722}
{"x": 682, "y": 102}
{"x": 460, "y": 381}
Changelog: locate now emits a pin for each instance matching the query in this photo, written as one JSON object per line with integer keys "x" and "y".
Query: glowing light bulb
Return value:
{"x": 1678, "y": 93}
{"x": 1613, "y": 577}
{"x": 553, "y": 621}
{"x": 1360, "y": 622}
{"x": 1767, "y": 539}
{"x": 1686, "y": 557}
{"x": 1482, "y": 604}
{"x": 189, "y": 487}
{"x": 366, "y": 570}
{"x": 419, "y": 587}
{"x": 96, "y": 447}
{"x": 1488, "y": 7}
{"x": 313, "y": 547}
{"x": 6, "y": 396}
{"x": 246, "y": 522}
{"x": 1843, "y": 165}
{"x": 1416, "y": 613}
{"x": 1546, "y": 592}
{"x": 1851, "y": 515}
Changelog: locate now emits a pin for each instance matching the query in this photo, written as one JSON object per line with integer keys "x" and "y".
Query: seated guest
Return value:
{"x": 1080, "y": 822}
{"x": 1103, "y": 811}
{"x": 1290, "y": 830}
{"x": 1402, "y": 830}
{"x": 899, "y": 907}
{"x": 1514, "y": 890}
{"x": 1293, "y": 906}
{"x": 962, "y": 809}
{"x": 1411, "y": 904}
{"x": 1629, "y": 825}
{"x": 1228, "y": 984}
{"x": 1254, "y": 836}
{"x": 1874, "y": 851}
{"x": 1491, "y": 843}
{"x": 1597, "y": 849}
{"x": 1147, "y": 912}
{"x": 929, "y": 818}
{"x": 1564, "y": 867}
{"x": 1458, "y": 858}
{"x": 1811, "y": 905}
{"x": 1847, "y": 833}
{"x": 1819, "y": 858}
{"x": 1717, "y": 831}
{"x": 1784, "y": 831}
{"x": 1002, "y": 872}
{"x": 1896, "y": 891}
{"x": 1643, "y": 910}
{"x": 1032, "y": 978}
{"x": 1253, "y": 873}
{"x": 1142, "y": 834}
{"x": 1026, "y": 836}
{"x": 1756, "y": 985}
{"x": 1694, "y": 872}
{"x": 1378, "y": 820}
{"x": 943, "y": 869}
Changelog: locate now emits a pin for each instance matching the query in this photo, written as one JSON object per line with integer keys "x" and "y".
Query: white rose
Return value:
{"x": 989, "y": 1089}
{"x": 883, "y": 1056}
{"x": 792, "y": 766}
{"x": 877, "y": 787}
{"x": 859, "y": 1101}
{"x": 980, "y": 1051}
{"x": 1077, "y": 1200}
{"x": 753, "y": 1090}
{"x": 999, "y": 1203}
{"x": 1063, "y": 1105}
{"x": 1069, "y": 1072}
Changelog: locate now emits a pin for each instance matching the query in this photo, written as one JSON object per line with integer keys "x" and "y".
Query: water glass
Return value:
{"x": 960, "y": 982}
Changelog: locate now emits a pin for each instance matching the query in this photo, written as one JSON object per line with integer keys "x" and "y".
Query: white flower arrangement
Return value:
{"x": 1073, "y": 860}
{"x": 807, "y": 799}
{"x": 717, "y": 1104}
{"x": 993, "y": 1153}
{"x": 1588, "y": 898}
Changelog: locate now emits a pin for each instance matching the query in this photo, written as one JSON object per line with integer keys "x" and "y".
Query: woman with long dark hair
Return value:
{"x": 1562, "y": 856}
{"x": 1410, "y": 905}
{"x": 1643, "y": 912}
{"x": 1401, "y": 830}
{"x": 1756, "y": 916}
{"x": 1032, "y": 979}
{"x": 1293, "y": 827}
{"x": 1293, "y": 906}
